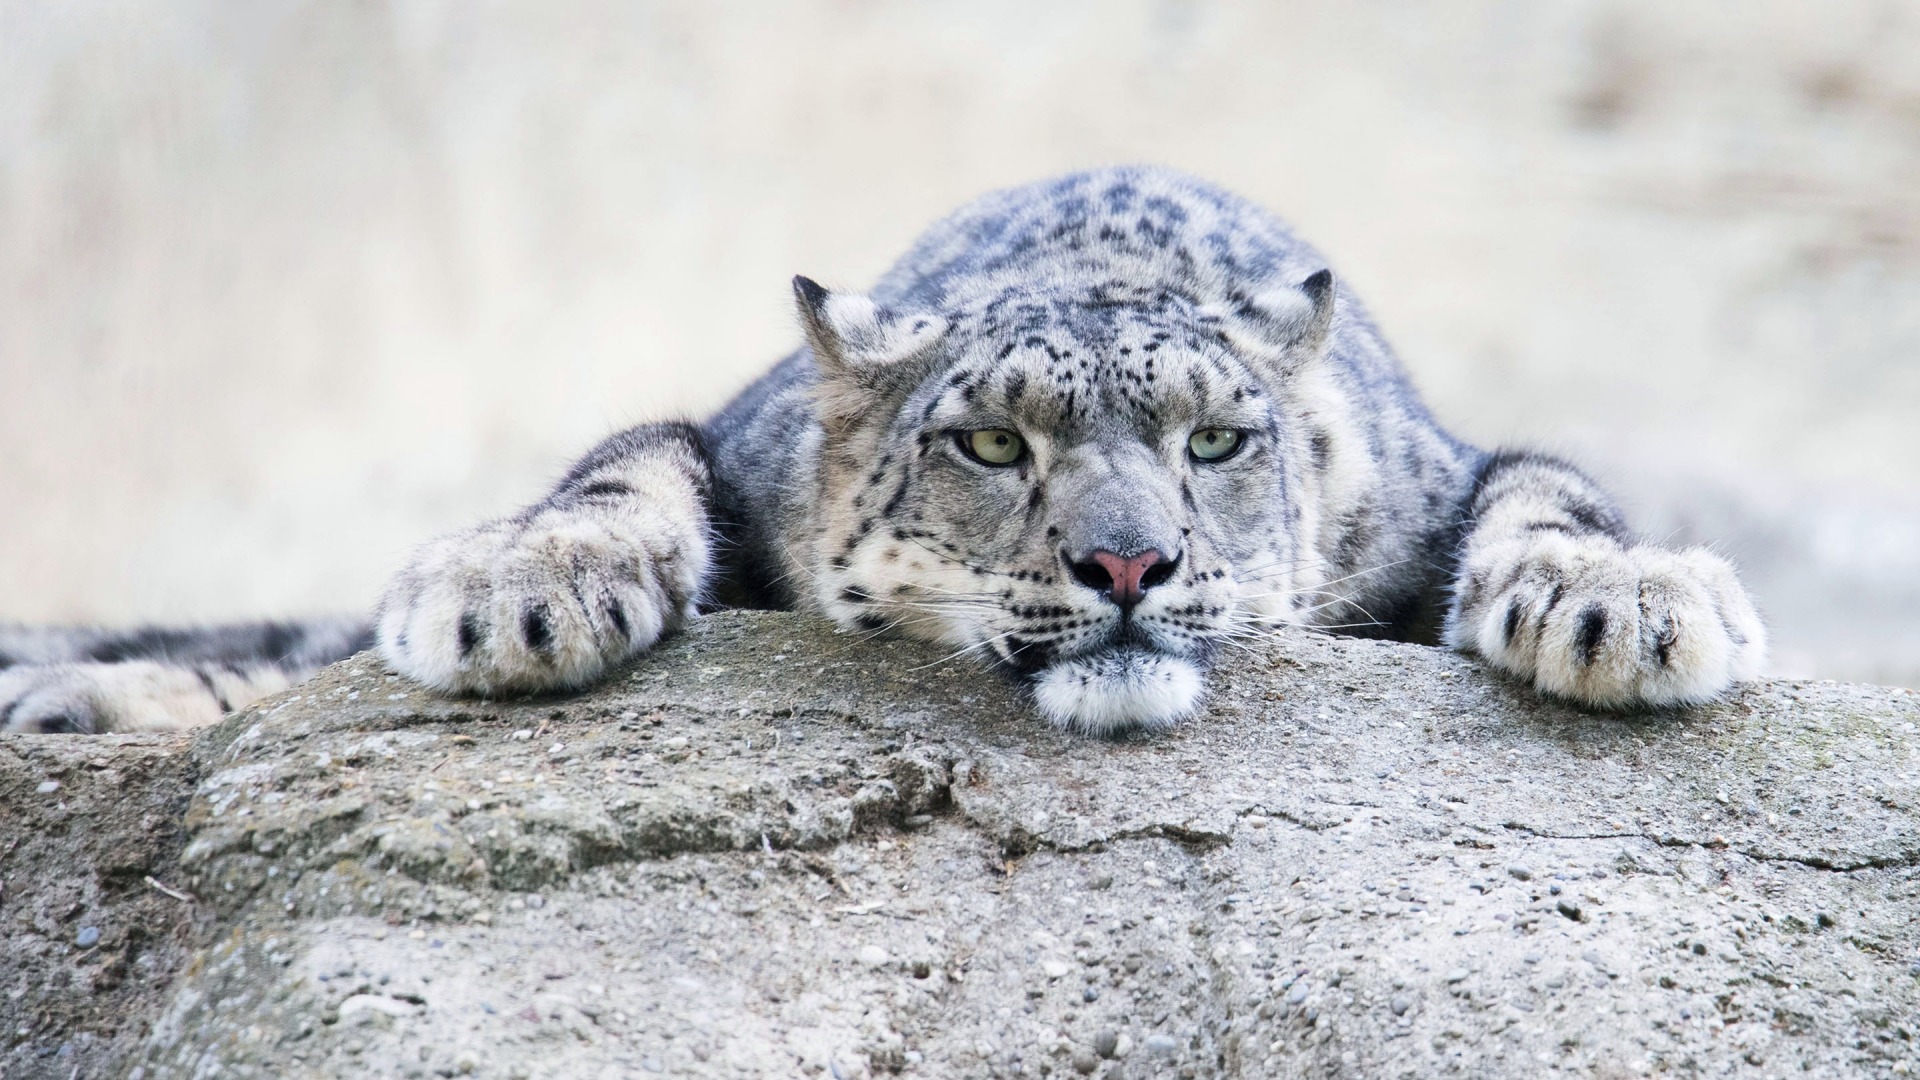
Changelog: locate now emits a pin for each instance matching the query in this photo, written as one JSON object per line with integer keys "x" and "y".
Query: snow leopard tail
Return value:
{"x": 88, "y": 680}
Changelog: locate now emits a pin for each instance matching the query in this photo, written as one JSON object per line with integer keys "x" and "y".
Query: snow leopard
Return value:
{"x": 1089, "y": 432}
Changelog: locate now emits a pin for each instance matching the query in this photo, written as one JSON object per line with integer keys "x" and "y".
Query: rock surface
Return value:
{"x": 773, "y": 850}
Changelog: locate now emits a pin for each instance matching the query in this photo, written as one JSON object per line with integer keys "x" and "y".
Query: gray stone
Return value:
{"x": 719, "y": 913}
{"x": 1162, "y": 1045}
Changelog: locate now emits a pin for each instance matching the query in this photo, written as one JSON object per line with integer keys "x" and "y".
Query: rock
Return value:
{"x": 859, "y": 829}
{"x": 376, "y": 1003}
{"x": 1520, "y": 871}
{"x": 103, "y": 850}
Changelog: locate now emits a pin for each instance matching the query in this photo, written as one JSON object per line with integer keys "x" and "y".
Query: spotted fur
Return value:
{"x": 85, "y": 681}
{"x": 1097, "y": 322}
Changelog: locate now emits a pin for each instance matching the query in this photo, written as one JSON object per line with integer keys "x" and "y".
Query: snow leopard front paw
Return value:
{"x": 1605, "y": 625}
{"x": 546, "y": 603}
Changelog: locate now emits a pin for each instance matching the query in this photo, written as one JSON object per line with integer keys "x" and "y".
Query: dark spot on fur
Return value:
{"x": 65, "y": 724}
{"x": 899, "y": 496}
{"x": 1321, "y": 445}
{"x": 1593, "y": 627}
{"x": 1591, "y": 518}
{"x": 1665, "y": 640}
{"x": 1513, "y": 621}
{"x": 1553, "y": 601}
{"x": 469, "y": 634}
{"x": 605, "y": 487}
{"x": 206, "y": 683}
{"x": 534, "y": 627}
{"x": 617, "y": 615}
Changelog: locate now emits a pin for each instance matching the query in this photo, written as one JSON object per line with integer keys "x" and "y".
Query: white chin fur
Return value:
{"x": 1115, "y": 692}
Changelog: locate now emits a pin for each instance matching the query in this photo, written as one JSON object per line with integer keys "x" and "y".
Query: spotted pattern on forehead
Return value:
{"x": 1109, "y": 353}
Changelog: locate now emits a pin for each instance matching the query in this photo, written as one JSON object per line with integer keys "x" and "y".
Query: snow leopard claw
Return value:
{"x": 527, "y": 606}
{"x": 1605, "y": 625}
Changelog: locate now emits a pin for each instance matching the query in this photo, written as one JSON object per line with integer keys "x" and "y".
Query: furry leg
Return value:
{"x": 555, "y": 595}
{"x": 1553, "y": 589}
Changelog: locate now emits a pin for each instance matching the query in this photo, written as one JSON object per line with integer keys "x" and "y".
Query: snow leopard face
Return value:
{"x": 1088, "y": 488}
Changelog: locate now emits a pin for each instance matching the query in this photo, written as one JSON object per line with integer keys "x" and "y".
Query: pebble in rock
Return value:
{"x": 873, "y": 956}
{"x": 48, "y": 787}
{"x": 1521, "y": 872}
{"x": 1400, "y": 1005}
{"x": 1458, "y": 975}
{"x": 88, "y": 937}
{"x": 1299, "y": 992}
{"x": 1106, "y": 1043}
{"x": 1162, "y": 1045}
{"x": 1084, "y": 1062}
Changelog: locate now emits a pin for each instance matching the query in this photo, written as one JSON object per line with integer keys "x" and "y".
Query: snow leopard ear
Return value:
{"x": 865, "y": 352}
{"x": 853, "y": 337}
{"x": 1288, "y": 326}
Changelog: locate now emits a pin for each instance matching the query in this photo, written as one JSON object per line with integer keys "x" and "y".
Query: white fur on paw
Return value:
{"x": 90, "y": 698}
{"x": 1610, "y": 626}
{"x": 1111, "y": 693}
{"x": 542, "y": 605}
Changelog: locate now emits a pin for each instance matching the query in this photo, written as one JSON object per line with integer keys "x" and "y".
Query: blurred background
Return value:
{"x": 287, "y": 287}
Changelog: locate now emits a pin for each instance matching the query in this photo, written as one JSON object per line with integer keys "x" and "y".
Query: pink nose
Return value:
{"x": 1126, "y": 578}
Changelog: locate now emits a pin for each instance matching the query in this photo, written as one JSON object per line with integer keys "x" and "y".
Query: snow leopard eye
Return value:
{"x": 1214, "y": 444}
{"x": 993, "y": 446}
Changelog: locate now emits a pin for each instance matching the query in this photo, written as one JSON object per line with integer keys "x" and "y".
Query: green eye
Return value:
{"x": 1214, "y": 444}
{"x": 994, "y": 446}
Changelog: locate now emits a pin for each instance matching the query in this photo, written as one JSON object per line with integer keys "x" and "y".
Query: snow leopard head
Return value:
{"x": 1091, "y": 486}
